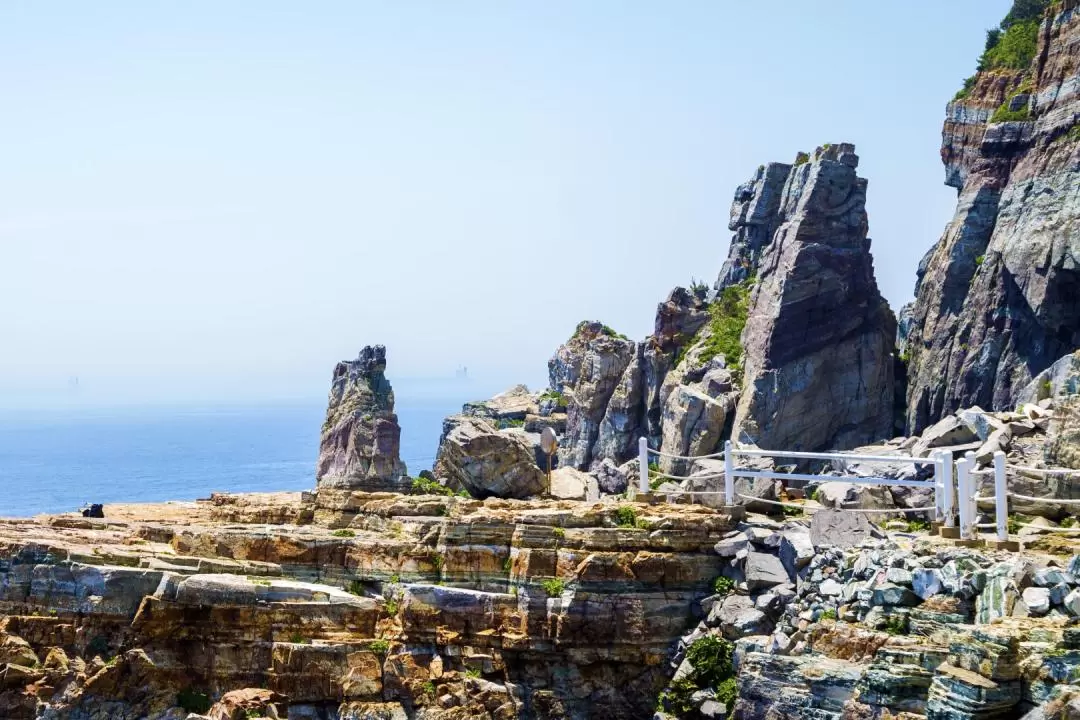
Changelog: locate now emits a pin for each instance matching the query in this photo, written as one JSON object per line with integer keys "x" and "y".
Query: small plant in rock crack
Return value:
{"x": 723, "y": 585}
{"x": 553, "y": 587}
{"x": 379, "y": 647}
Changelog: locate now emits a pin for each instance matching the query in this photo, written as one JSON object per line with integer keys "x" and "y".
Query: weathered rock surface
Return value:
{"x": 587, "y": 370}
{"x": 348, "y": 604}
{"x": 818, "y": 340}
{"x": 488, "y": 462}
{"x": 998, "y": 297}
{"x": 361, "y": 440}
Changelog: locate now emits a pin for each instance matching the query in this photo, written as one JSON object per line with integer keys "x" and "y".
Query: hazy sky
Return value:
{"x": 219, "y": 200}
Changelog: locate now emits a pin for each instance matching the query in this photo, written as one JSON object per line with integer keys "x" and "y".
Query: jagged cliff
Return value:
{"x": 998, "y": 297}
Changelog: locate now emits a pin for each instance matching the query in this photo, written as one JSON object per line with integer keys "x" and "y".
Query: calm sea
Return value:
{"x": 54, "y": 462}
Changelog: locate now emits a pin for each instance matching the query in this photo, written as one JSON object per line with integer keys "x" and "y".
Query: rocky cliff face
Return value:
{"x": 819, "y": 337}
{"x": 998, "y": 297}
{"x": 361, "y": 438}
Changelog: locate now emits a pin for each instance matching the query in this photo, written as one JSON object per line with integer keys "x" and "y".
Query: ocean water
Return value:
{"x": 58, "y": 461}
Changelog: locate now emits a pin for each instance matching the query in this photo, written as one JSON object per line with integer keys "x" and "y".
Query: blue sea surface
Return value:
{"x": 53, "y": 461}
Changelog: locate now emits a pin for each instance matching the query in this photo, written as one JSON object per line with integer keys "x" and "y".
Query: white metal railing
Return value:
{"x": 950, "y": 500}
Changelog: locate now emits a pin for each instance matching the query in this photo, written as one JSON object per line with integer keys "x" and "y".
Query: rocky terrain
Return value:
{"x": 506, "y": 583}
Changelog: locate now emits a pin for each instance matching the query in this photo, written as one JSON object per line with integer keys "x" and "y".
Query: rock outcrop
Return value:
{"x": 998, "y": 297}
{"x": 361, "y": 439}
{"x": 487, "y": 462}
{"x": 819, "y": 337}
{"x": 587, "y": 370}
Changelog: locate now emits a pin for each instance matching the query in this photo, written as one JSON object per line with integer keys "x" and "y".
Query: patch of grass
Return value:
{"x": 560, "y": 400}
{"x": 252, "y": 713}
{"x": 438, "y": 561}
{"x": 915, "y": 526}
{"x": 1013, "y": 525}
{"x": 425, "y": 486}
{"x": 1068, "y": 522}
{"x": 259, "y": 581}
{"x": 553, "y": 587}
{"x": 395, "y": 579}
{"x": 559, "y": 532}
{"x": 472, "y": 673}
{"x": 676, "y": 699}
{"x": 711, "y": 658}
{"x": 379, "y": 647}
{"x": 1004, "y": 114}
{"x": 895, "y": 625}
{"x": 391, "y": 606}
{"x": 355, "y": 587}
{"x": 727, "y": 692}
{"x": 298, "y": 639}
{"x": 510, "y": 423}
{"x": 626, "y": 517}
{"x": 344, "y": 532}
{"x": 428, "y": 689}
{"x": 698, "y": 288}
{"x": 723, "y": 585}
{"x": 790, "y": 511}
{"x": 979, "y": 260}
{"x": 1046, "y": 389}
{"x": 508, "y": 564}
{"x": 193, "y": 701}
{"x": 801, "y": 158}
{"x": 829, "y": 614}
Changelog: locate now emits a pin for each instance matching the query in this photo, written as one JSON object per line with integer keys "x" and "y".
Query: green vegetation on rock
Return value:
{"x": 560, "y": 400}
{"x": 727, "y": 318}
{"x": 379, "y": 647}
{"x": 344, "y": 532}
{"x": 553, "y": 587}
{"x": 723, "y": 585}
{"x": 711, "y": 657}
{"x": 605, "y": 329}
{"x": 424, "y": 486}
{"x": 1004, "y": 114}
{"x": 1011, "y": 45}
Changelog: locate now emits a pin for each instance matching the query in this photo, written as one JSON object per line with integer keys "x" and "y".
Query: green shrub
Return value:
{"x": 828, "y": 614}
{"x": 424, "y": 486}
{"x": 801, "y": 158}
{"x": 604, "y": 329}
{"x": 193, "y": 701}
{"x": 791, "y": 511}
{"x": 711, "y": 658}
{"x": 355, "y": 587}
{"x": 505, "y": 423}
{"x": 723, "y": 585}
{"x": 428, "y": 689}
{"x": 626, "y": 517}
{"x": 472, "y": 673}
{"x": 559, "y": 532}
{"x": 344, "y": 532}
{"x": 914, "y": 526}
{"x": 727, "y": 692}
{"x": 391, "y": 606}
{"x": 677, "y": 698}
{"x": 560, "y": 400}
{"x": 1014, "y": 49}
{"x": 1013, "y": 525}
{"x": 553, "y": 587}
{"x": 297, "y": 639}
{"x": 379, "y": 647}
{"x": 963, "y": 92}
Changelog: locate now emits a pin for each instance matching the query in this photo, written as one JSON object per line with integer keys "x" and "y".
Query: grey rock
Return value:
{"x": 764, "y": 570}
{"x": 1037, "y": 600}
{"x": 610, "y": 478}
{"x": 926, "y": 583}
{"x": 818, "y": 341}
{"x": 1072, "y": 603}
{"x": 838, "y": 529}
{"x": 997, "y": 599}
{"x": 889, "y": 595}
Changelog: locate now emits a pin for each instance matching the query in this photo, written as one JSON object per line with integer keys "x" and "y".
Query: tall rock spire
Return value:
{"x": 818, "y": 341}
{"x": 361, "y": 439}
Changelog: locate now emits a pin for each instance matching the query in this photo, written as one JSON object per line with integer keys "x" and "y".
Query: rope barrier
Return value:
{"x": 1049, "y": 529}
{"x": 807, "y": 508}
{"x": 657, "y": 474}
{"x": 1044, "y": 471}
{"x": 1060, "y": 501}
{"x": 686, "y": 457}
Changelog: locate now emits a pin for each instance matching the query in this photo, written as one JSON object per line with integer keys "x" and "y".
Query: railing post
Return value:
{"x": 963, "y": 481}
{"x": 948, "y": 502}
{"x": 729, "y": 474}
{"x": 1001, "y": 497}
{"x": 643, "y": 459}
{"x": 973, "y": 491}
{"x": 939, "y": 489}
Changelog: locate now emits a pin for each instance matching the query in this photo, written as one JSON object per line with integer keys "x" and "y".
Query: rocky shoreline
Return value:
{"x": 487, "y": 588}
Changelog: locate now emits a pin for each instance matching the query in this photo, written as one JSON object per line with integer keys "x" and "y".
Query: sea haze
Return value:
{"x": 56, "y": 461}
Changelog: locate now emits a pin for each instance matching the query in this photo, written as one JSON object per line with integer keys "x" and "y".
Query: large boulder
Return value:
{"x": 818, "y": 340}
{"x": 515, "y": 404}
{"x": 361, "y": 440}
{"x": 488, "y": 462}
{"x": 586, "y": 370}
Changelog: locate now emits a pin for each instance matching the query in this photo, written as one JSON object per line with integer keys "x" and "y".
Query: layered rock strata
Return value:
{"x": 349, "y": 604}
{"x": 998, "y": 297}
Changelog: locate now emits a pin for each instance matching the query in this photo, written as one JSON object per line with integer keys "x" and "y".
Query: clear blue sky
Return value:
{"x": 219, "y": 200}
